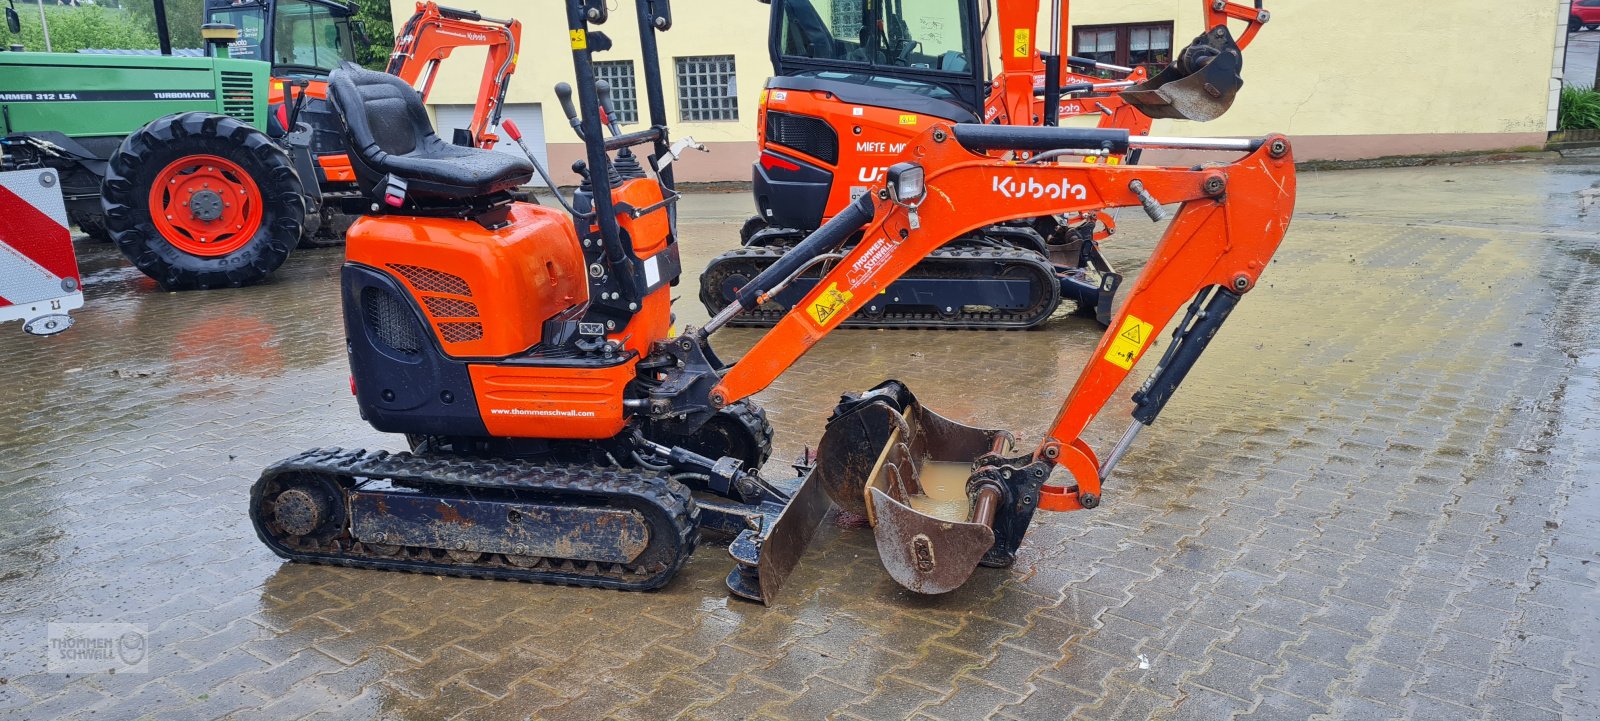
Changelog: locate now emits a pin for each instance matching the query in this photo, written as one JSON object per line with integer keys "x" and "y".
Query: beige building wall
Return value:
{"x": 1344, "y": 79}
{"x": 700, "y": 27}
{"x": 1365, "y": 78}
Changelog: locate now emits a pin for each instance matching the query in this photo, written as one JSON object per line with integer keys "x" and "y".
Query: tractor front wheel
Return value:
{"x": 199, "y": 200}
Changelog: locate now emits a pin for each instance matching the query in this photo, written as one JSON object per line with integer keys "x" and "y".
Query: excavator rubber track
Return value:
{"x": 722, "y": 275}
{"x": 514, "y": 520}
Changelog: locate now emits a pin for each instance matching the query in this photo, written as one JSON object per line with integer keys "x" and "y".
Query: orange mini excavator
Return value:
{"x": 561, "y": 432}
{"x": 855, "y": 80}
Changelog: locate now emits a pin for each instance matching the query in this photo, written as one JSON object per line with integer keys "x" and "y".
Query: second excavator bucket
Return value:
{"x": 907, "y": 470}
{"x": 1199, "y": 85}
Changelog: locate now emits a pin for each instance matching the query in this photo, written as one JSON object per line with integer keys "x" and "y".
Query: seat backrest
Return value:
{"x": 382, "y": 114}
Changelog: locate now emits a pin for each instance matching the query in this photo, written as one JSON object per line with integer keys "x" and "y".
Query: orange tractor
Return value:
{"x": 855, "y": 80}
{"x": 561, "y": 431}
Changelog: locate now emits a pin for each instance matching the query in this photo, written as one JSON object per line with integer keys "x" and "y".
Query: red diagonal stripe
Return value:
{"x": 37, "y": 235}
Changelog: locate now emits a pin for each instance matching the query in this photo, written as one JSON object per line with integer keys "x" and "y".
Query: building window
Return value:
{"x": 1130, "y": 45}
{"x": 624, "y": 91}
{"x": 707, "y": 88}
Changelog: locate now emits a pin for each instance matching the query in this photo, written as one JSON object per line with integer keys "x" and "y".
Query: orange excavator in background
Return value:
{"x": 854, "y": 80}
{"x": 434, "y": 32}
{"x": 562, "y": 431}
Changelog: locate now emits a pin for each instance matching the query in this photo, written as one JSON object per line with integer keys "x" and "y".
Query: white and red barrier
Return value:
{"x": 39, "y": 280}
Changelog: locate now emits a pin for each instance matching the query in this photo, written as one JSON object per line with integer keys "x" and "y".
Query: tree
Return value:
{"x": 380, "y": 30}
{"x": 75, "y": 28}
{"x": 183, "y": 20}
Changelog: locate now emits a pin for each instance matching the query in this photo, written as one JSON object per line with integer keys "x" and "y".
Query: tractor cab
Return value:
{"x": 299, "y": 38}
{"x": 303, "y": 41}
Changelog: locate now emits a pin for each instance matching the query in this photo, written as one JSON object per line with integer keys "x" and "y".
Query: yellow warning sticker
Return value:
{"x": 1129, "y": 342}
{"x": 908, "y": 120}
{"x": 1021, "y": 42}
{"x": 580, "y": 39}
{"x": 828, "y": 304}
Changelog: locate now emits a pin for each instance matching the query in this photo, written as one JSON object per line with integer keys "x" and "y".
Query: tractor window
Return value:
{"x": 923, "y": 34}
{"x": 251, "y": 21}
{"x": 308, "y": 36}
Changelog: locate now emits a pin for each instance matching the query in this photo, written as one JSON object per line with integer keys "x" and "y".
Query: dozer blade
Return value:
{"x": 1199, "y": 85}
{"x": 906, "y": 468}
{"x": 766, "y": 555}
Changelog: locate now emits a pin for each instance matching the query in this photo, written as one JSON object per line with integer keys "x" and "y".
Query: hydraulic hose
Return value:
{"x": 831, "y": 235}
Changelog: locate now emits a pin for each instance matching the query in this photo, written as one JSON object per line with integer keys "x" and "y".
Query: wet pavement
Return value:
{"x": 1376, "y": 497}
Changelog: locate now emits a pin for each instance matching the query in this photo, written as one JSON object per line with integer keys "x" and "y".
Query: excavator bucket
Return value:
{"x": 906, "y": 469}
{"x": 1199, "y": 85}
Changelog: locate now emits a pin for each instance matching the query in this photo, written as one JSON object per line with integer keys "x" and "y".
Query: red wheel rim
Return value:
{"x": 205, "y": 205}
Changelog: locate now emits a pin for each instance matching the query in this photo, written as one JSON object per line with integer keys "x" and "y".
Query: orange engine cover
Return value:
{"x": 486, "y": 293}
{"x": 521, "y": 401}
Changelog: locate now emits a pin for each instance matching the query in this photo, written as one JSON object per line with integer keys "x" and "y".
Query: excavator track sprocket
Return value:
{"x": 480, "y": 518}
{"x": 968, "y": 265}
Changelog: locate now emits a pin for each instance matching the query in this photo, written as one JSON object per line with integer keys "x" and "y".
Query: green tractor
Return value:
{"x": 176, "y": 159}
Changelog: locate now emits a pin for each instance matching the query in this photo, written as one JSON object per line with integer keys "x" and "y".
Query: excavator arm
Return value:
{"x": 1229, "y": 223}
{"x": 1019, "y": 94}
{"x": 435, "y": 31}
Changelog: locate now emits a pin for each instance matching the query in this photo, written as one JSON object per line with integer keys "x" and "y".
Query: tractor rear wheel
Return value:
{"x": 199, "y": 200}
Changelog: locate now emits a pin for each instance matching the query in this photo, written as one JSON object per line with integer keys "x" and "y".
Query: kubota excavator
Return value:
{"x": 561, "y": 432}
{"x": 854, "y": 80}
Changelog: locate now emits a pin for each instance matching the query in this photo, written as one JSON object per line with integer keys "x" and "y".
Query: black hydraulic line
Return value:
{"x": 1052, "y": 88}
{"x": 1181, "y": 357}
{"x": 459, "y": 14}
{"x": 980, "y": 138}
{"x": 831, "y": 235}
{"x": 1065, "y": 89}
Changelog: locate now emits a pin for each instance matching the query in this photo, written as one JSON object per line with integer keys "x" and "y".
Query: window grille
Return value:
{"x": 624, "y": 89}
{"x": 708, "y": 89}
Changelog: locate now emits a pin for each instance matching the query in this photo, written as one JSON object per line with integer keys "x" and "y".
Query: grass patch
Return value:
{"x": 1579, "y": 109}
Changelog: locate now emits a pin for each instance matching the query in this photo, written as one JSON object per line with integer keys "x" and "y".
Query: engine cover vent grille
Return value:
{"x": 428, "y": 280}
{"x": 391, "y": 320}
{"x": 442, "y": 307}
{"x": 459, "y": 332}
{"x": 239, "y": 95}
{"x": 806, "y": 134}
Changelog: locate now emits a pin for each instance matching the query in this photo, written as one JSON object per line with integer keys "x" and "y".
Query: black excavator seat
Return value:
{"x": 391, "y": 138}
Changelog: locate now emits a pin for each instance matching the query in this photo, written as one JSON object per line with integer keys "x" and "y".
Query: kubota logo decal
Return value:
{"x": 1032, "y": 188}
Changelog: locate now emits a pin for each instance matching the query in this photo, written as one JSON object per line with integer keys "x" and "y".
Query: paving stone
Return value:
{"x": 1365, "y": 503}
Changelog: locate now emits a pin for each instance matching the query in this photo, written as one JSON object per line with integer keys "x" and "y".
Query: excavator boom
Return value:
{"x": 434, "y": 32}
{"x": 880, "y": 447}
